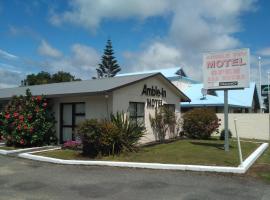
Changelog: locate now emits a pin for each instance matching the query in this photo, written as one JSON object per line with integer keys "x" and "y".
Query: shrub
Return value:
{"x": 163, "y": 121}
{"x": 200, "y": 123}
{"x": 222, "y": 134}
{"x": 27, "y": 121}
{"x": 109, "y": 137}
{"x": 130, "y": 132}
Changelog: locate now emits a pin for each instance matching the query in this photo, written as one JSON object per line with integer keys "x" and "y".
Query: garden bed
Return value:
{"x": 194, "y": 152}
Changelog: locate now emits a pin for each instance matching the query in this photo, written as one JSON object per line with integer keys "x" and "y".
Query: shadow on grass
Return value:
{"x": 218, "y": 146}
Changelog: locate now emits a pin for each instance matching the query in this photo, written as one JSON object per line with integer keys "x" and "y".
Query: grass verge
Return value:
{"x": 8, "y": 148}
{"x": 261, "y": 169}
{"x": 197, "y": 152}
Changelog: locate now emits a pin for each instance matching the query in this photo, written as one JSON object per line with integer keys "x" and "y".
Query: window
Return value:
{"x": 170, "y": 107}
{"x": 72, "y": 114}
{"x": 136, "y": 112}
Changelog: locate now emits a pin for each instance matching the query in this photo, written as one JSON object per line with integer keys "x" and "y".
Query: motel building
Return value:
{"x": 135, "y": 95}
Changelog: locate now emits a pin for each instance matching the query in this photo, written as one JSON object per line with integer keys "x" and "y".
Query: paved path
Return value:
{"x": 29, "y": 180}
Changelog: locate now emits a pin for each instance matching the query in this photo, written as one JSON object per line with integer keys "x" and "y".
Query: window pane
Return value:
{"x": 80, "y": 108}
{"x": 67, "y": 114}
{"x": 170, "y": 107}
{"x": 132, "y": 109}
{"x": 140, "y": 109}
{"x": 67, "y": 134}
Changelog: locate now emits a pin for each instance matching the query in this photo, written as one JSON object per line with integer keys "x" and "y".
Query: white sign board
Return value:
{"x": 226, "y": 69}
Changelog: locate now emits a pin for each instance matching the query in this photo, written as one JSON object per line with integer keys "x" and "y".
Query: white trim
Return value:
{"x": 240, "y": 169}
{"x": 6, "y": 152}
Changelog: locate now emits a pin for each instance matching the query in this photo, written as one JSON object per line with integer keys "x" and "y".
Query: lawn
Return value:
{"x": 261, "y": 169}
{"x": 7, "y": 148}
{"x": 197, "y": 152}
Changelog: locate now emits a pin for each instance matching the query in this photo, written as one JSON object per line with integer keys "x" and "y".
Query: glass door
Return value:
{"x": 71, "y": 115}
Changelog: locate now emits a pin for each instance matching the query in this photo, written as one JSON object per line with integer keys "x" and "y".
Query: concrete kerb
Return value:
{"x": 239, "y": 170}
{"x": 6, "y": 152}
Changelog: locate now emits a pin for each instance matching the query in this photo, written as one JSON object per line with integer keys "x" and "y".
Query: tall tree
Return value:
{"x": 45, "y": 78}
{"x": 108, "y": 66}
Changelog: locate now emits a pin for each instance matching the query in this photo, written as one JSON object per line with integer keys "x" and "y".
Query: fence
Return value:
{"x": 250, "y": 125}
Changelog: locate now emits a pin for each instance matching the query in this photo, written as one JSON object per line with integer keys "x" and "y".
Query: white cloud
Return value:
{"x": 89, "y": 14}
{"x": 6, "y": 55}
{"x": 10, "y": 78}
{"x": 82, "y": 62}
{"x": 155, "y": 56}
{"x": 264, "y": 52}
{"x": 46, "y": 49}
{"x": 196, "y": 26}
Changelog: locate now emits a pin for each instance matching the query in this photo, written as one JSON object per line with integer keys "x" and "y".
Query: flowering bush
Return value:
{"x": 27, "y": 121}
{"x": 71, "y": 144}
{"x": 200, "y": 123}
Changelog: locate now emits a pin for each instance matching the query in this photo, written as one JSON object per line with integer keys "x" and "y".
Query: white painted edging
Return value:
{"x": 240, "y": 170}
{"x": 6, "y": 152}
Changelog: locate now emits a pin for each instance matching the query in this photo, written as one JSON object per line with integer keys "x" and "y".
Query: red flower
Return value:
{"x": 37, "y": 109}
{"x": 44, "y": 104}
{"x": 29, "y": 117}
{"x": 7, "y": 116}
{"x": 21, "y": 141}
{"x": 25, "y": 127}
{"x": 38, "y": 98}
{"x": 31, "y": 130}
{"x": 19, "y": 127}
{"x": 15, "y": 114}
{"x": 21, "y": 117}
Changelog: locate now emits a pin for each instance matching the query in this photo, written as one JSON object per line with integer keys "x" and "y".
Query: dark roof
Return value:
{"x": 93, "y": 86}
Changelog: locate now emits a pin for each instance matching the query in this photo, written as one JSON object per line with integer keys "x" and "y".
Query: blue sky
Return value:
{"x": 54, "y": 35}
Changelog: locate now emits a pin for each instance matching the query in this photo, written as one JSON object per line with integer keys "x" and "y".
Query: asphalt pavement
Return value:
{"x": 22, "y": 179}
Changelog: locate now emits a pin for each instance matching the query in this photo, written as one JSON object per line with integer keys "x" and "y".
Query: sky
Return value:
{"x": 54, "y": 35}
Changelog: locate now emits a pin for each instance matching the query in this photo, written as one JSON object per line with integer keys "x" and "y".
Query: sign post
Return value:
{"x": 226, "y": 119}
{"x": 226, "y": 70}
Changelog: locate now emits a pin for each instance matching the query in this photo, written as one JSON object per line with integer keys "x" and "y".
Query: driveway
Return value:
{"x": 29, "y": 180}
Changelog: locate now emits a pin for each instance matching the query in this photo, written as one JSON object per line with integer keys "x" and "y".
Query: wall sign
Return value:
{"x": 155, "y": 95}
{"x": 226, "y": 70}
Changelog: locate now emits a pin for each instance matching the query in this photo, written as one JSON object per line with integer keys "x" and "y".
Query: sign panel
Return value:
{"x": 226, "y": 69}
{"x": 155, "y": 96}
{"x": 264, "y": 90}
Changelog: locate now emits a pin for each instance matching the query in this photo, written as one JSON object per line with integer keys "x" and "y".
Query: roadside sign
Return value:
{"x": 226, "y": 69}
{"x": 264, "y": 90}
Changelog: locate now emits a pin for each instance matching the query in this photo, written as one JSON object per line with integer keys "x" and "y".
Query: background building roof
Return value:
{"x": 170, "y": 73}
{"x": 236, "y": 98}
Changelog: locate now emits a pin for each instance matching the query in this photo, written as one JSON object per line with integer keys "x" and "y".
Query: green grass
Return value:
{"x": 8, "y": 148}
{"x": 198, "y": 152}
{"x": 261, "y": 169}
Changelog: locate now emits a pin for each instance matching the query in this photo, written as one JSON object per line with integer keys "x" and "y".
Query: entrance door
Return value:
{"x": 71, "y": 115}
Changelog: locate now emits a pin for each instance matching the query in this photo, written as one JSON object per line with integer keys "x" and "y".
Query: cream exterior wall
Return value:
{"x": 132, "y": 93}
{"x": 249, "y": 125}
{"x": 96, "y": 107}
{"x": 100, "y": 107}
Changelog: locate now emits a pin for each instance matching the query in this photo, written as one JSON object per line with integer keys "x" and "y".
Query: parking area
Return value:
{"x": 28, "y": 180}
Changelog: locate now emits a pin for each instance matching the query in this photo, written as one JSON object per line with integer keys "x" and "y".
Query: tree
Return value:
{"x": 108, "y": 66}
{"x": 38, "y": 79}
{"x": 62, "y": 76}
{"x": 45, "y": 78}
